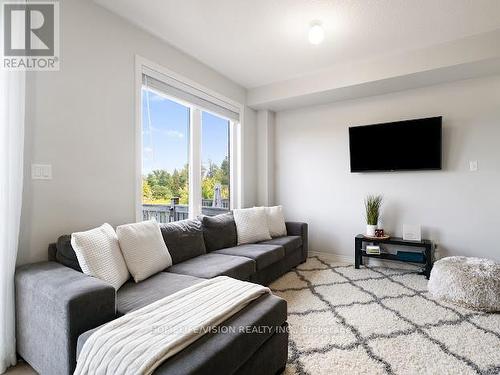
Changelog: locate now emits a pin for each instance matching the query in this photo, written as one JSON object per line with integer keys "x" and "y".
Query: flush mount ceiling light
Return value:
{"x": 316, "y": 33}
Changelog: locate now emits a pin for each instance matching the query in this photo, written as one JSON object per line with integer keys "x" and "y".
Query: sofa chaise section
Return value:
{"x": 259, "y": 328}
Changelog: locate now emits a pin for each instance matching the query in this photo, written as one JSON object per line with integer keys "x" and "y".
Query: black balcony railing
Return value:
{"x": 166, "y": 213}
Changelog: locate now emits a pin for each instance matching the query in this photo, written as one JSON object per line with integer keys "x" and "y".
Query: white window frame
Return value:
{"x": 235, "y": 141}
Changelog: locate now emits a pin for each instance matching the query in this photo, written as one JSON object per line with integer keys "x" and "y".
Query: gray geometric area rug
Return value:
{"x": 378, "y": 320}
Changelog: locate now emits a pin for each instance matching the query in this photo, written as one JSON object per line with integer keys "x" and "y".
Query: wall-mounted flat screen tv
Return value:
{"x": 396, "y": 146}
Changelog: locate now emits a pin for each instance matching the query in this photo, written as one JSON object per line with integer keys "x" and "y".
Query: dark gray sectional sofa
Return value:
{"x": 58, "y": 307}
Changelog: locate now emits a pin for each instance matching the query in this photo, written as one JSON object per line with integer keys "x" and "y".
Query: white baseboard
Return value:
{"x": 332, "y": 257}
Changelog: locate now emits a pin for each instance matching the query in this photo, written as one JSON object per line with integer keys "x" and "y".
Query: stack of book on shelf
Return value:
{"x": 372, "y": 249}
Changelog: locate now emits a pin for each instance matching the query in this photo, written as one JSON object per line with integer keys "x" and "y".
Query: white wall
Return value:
{"x": 457, "y": 208}
{"x": 81, "y": 120}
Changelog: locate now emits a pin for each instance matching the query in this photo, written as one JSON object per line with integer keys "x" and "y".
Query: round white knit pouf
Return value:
{"x": 469, "y": 282}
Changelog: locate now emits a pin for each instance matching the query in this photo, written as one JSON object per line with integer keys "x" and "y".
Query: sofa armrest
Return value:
{"x": 54, "y": 305}
{"x": 299, "y": 229}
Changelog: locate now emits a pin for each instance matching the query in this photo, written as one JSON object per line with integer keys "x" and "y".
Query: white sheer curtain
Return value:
{"x": 12, "y": 98}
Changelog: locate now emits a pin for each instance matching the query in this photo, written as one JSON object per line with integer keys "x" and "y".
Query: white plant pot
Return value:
{"x": 370, "y": 230}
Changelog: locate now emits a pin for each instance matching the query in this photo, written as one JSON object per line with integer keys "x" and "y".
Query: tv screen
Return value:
{"x": 395, "y": 146}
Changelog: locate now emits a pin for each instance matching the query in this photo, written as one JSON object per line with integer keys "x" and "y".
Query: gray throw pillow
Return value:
{"x": 65, "y": 253}
{"x": 219, "y": 231}
{"x": 184, "y": 239}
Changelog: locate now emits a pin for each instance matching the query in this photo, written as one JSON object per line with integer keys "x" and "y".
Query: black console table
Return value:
{"x": 425, "y": 245}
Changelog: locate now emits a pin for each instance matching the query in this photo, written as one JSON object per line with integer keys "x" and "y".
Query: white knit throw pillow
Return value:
{"x": 276, "y": 221}
{"x": 251, "y": 225}
{"x": 99, "y": 255}
{"x": 143, "y": 248}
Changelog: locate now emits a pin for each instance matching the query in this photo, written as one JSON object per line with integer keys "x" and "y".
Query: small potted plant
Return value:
{"x": 372, "y": 207}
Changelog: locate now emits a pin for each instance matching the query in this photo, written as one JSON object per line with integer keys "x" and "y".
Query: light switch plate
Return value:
{"x": 41, "y": 171}
{"x": 473, "y": 165}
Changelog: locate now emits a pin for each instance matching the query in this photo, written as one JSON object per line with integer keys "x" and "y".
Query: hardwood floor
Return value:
{"x": 22, "y": 368}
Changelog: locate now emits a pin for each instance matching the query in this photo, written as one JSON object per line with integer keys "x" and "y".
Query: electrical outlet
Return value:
{"x": 473, "y": 165}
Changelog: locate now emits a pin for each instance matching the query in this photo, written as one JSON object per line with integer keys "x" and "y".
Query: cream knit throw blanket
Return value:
{"x": 139, "y": 342}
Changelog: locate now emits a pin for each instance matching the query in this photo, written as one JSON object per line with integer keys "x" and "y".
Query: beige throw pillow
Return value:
{"x": 143, "y": 248}
{"x": 99, "y": 255}
{"x": 276, "y": 221}
{"x": 251, "y": 225}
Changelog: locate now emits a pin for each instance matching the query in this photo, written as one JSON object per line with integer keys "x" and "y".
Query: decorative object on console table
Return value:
{"x": 412, "y": 232}
{"x": 426, "y": 249}
{"x": 372, "y": 208}
{"x": 370, "y": 230}
{"x": 379, "y": 235}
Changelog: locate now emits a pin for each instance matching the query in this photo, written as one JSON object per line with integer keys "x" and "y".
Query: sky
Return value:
{"x": 165, "y": 135}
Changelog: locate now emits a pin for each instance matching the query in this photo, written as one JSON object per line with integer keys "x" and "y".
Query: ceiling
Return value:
{"x": 258, "y": 42}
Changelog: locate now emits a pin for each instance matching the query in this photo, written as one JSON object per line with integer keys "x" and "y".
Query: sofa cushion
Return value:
{"x": 219, "y": 231}
{"x": 290, "y": 243}
{"x": 132, "y": 296}
{"x": 263, "y": 255}
{"x": 212, "y": 265}
{"x": 65, "y": 254}
{"x": 184, "y": 239}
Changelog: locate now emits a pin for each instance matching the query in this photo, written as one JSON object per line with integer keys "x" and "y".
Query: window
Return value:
{"x": 187, "y": 138}
{"x": 165, "y": 158}
{"x": 215, "y": 171}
